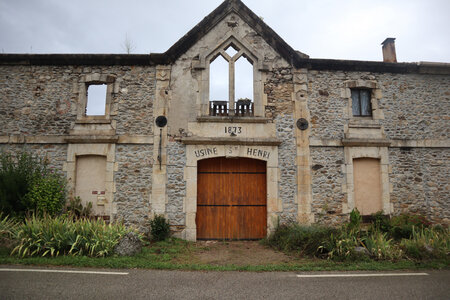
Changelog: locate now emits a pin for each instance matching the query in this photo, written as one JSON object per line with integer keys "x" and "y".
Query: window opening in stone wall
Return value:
{"x": 231, "y": 50}
{"x": 219, "y": 85}
{"x": 96, "y": 99}
{"x": 361, "y": 106}
{"x": 231, "y": 83}
{"x": 244, "y": 87}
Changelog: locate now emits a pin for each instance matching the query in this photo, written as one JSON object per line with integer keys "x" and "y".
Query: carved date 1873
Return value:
{"x": 233, "y": 129}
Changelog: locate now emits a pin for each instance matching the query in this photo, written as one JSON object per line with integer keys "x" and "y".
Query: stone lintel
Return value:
{"x": 366, "y": 142}
{"x": 234, "y": 119}
{"x": 92, "y": 139}
{"x": 230, "y": 141}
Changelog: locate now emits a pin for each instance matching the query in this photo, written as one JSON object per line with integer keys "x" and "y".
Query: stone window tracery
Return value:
{"x": 235, "y": 90}
{"x": 235, "y": 85}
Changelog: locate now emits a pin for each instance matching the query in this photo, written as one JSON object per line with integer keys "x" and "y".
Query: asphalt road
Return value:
{"x": 154, "y": 284}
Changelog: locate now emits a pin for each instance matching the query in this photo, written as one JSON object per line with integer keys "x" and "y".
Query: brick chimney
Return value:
{"x": 389, "y": 50}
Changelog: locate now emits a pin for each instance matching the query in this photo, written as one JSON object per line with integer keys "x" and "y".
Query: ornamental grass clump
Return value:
{"x": 382, "y": 247}
{"x": 427, "y": 243}
{"x": 61, "y": 235}
{"x": 7, "y": 227}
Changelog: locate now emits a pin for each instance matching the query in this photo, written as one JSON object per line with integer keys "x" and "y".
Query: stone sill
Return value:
{"x": 92, "y": 139}
{"x": 364, "y": 123}
{"x": 234, "y": 119}
{"x": 93, "y": 121}
{"x": 367, "y": 142}
{"x": 230, "y": 141}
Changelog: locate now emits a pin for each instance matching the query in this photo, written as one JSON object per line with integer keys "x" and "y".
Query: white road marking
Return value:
{"x": 360, "y": 275}
{"x": 63, "y": 271}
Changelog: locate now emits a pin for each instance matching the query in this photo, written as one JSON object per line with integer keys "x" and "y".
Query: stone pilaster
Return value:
{"x": 304, "y": 195}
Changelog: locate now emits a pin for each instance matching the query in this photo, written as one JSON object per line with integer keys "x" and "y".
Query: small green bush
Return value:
{"x": 381, "y": 222}
{"x": 355, "y": 220}
{"x": 159, "y": 228}
{"x": 47, "y": 194}
{"x": 54, "y": 236}
{"x": 402, "y": 225}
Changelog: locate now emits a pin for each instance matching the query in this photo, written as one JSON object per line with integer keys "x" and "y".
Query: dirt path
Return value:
{"x": 238, "y": 253}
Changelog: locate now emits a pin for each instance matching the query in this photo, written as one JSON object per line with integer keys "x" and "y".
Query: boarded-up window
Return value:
{"x": 90, "y": 181}
{"x": 367, "y": 185}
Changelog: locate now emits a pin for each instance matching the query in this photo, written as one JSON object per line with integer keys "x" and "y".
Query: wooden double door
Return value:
{"x": 231, "y": 199}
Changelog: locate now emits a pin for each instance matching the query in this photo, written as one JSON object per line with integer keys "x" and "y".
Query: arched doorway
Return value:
{"x": 231, "y": 198}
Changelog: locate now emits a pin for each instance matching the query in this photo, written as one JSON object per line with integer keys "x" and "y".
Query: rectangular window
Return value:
{"x": 96, "y": 99}
{"x": 361, "y": 106}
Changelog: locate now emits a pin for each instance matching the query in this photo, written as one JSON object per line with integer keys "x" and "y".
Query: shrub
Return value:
{"x": 159, "y": 228}
{"x": 53, "y": 236}
{"x": 309, "y": 240}
{"x": 402, "y": 225}
{"x": 355, "y": 220}
{"x": 381, "y": 222}
{"x": 47, "y": 194}
{"x": 17, "y": 175}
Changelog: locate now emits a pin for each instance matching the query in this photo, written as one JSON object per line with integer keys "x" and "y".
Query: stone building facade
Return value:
{"x": 332, "y": 134}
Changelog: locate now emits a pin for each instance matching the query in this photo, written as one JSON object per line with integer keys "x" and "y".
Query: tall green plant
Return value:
{"x": 355, "y": 220}
{"x": 17, "y": 175}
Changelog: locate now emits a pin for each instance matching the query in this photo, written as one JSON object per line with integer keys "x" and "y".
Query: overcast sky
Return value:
{"x": 344, "y": 29}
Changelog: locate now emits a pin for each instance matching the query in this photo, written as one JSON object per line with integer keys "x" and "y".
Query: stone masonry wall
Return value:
{"x": 327, "y": 178}
{"x": 133, "y": 181}
{"x": 135, "y": 101}
{"x": 420, "y": 181}
{"x": 279, "y": 89}
{"x": 176, "y": 185}
{"x": 415, "y": 106}
{"x": 42, "y": 100}
{"x": 37, "y": 100}
{"x": 55, "y": 153}
{"x": 287, "y": 154}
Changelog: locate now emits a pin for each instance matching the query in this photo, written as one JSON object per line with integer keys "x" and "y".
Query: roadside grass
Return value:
{"x": 178, "y": 254}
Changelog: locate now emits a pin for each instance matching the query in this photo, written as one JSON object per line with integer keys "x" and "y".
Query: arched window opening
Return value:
{"x": 231, "y": 82}
{"x": 244, "y": 87}
{"x": 219, "y": 85}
